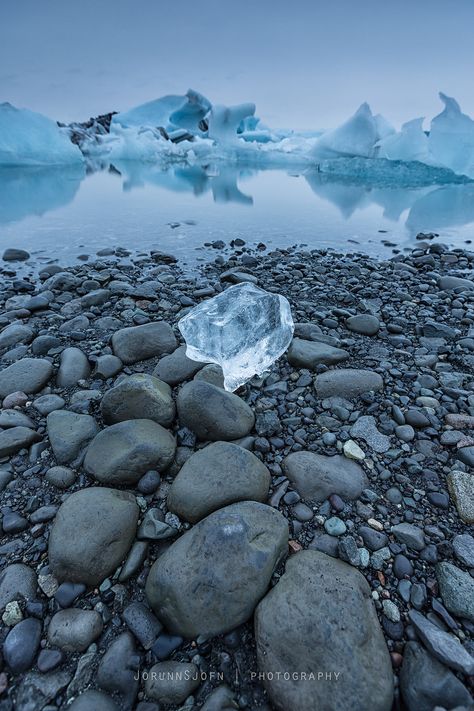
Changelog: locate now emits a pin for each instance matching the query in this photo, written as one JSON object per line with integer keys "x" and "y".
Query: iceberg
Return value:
{"x": 355, "y": 137}
{"x": 410, "y": 144}
{"x": 170, "y": 112}
{"x": 451, "y": 138}
{"x": 224, "y": 121}
{"x": 29, "y": 138}
{"x": 244, "y": 330}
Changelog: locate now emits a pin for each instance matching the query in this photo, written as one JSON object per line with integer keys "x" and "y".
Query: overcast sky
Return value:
{"x": 305, "y": 63}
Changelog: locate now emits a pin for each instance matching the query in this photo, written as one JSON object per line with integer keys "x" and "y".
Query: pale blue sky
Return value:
{"x": 305, "y": 63}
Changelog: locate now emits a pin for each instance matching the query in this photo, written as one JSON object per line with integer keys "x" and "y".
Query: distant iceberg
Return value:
{"x": 28, "y": 138}
{"x": 189, "y": 129}
{"x": 356, "y": 137}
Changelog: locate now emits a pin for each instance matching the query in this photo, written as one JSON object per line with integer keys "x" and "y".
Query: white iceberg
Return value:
{"x": 451, "y": 138}
{"x": 244, "y": 330}
{"x": 170, "y": 112}
{"x": 224, "y": 121}
{"x": 28, "y": 138}
{"x": 411, "y": 143}
{"x": 355, "y": 137}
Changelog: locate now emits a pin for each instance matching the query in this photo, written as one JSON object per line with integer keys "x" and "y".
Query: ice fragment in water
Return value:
{"x": 244, "y": 330}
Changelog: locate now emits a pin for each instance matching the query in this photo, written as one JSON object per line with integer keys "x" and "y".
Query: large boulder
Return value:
{"x": 347, "y": 383}
{"x": 209, "y": 581}
{"x": 141, "y": 342}
{"x": 28, "y": 375}
{"x": 216, "y": 476}
{"x": 69, "y": 434}
{"x": 91, "y": 535}
{"x": 212, "y": 413}
{"x": 316, "y": 476}
{"x": 320, "y": 619}
{"x": 122, "y": 453}
{"x": 139, "y": 396}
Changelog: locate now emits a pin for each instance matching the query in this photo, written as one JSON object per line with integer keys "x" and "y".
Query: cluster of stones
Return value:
{"x": 306, "y": 540}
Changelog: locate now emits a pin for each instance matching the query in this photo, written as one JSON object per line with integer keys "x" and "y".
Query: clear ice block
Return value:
{"x": 244, "y": 330}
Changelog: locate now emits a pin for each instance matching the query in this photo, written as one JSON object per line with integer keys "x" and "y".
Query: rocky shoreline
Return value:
{"x": 169, "y": 545}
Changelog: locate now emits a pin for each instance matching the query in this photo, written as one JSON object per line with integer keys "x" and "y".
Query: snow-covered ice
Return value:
{"x": 29, "y": 138}
{"x": 244, "y": 330}
{"x": 170, "y": 112}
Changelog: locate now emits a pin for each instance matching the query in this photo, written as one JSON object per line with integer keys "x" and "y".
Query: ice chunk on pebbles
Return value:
{"x": 244, "y": 330}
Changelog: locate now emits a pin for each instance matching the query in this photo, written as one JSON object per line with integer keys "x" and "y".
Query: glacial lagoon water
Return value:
{"x": 64, "y": 213}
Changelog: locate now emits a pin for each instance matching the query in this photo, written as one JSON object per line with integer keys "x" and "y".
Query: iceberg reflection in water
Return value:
{"x": 133, "y": 204}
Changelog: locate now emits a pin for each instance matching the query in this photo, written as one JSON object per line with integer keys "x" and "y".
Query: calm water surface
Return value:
{"x": 65, "y": 213}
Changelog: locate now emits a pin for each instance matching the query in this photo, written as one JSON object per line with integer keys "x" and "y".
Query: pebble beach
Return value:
{"x": 303, "y": 543}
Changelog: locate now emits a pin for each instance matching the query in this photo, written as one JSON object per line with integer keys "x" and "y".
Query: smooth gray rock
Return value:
{"x": 16, "y": 438}
{"x": 13, "y": 254}
{"x": 317, "y": 476}
{"x": 142, "y": 623}
{"x": 74, "y": 366}
{"x": 48, "y": 403}
{"x": 463, "y": 547}
{"x": 28, "y": 375}
{"x": 92, "y": 533}
{"x": 137, "y": 343}
{"x": 412, "y": 536}
{"x": 61, "y": 281}
{"x": 212, "y": 413}
{"x": 425, "y": 683}
{"x": 92, "y": 700}
{"x": 73, "y": 630}
{"x": 21, "y": 645}
{"x": 310, "y": 354}
{"x": 457, "y": 590}
{"x": 442, "y": 645}
{"x": 61, "y": 477}
{"x": 69, "y": 434}
{"x": 13, "y": 334}
{"x": 172, "y": 682}
{"x": 117, "y": 669}
{"x": 176, "y": 367}
{"x": 139, "y": 396}
{"x": 448, "y": 283}
{"x": 122, "y": 453}
{"x": 17, "y": 582}
{"x": 320, "y": 617}
{"x": 209, "y": 581}
{"x": 107, "y": 366}
{"x": 212, "y": 374}
{"x": 15, "y": 418}
{"x": 216, "y": 476}
{"x": 347, "y": 382}
{"x": 365, "y": 324}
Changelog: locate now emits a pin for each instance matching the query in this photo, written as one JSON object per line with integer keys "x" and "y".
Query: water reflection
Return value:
{"x": 35, "y": 191}
{"x": 25, "y": 192}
